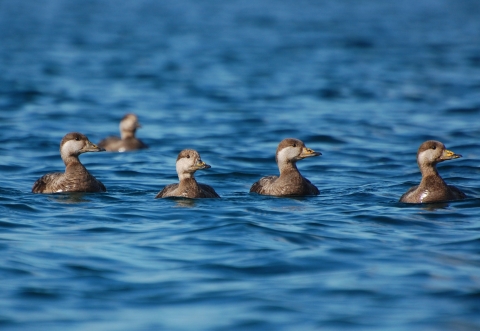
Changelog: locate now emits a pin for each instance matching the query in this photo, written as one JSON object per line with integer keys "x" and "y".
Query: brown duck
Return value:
{"x": 432, "y": 188}
{"x": 188, "y": 161}
{"x": 290, "y": 182}
{"x": 127, "y": 142}
{"x": 76, "y": 177}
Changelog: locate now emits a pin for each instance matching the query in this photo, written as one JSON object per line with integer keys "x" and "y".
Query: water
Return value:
{"x": 363, "y": 82}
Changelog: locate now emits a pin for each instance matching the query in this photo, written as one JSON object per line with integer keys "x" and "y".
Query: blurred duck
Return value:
{"x": 76, "y": 177}
{"x": 432, "y": 188}
{"x": 128, "y": 142}
{"x": 290, "y": 182}
{"x": 188, "y": 161}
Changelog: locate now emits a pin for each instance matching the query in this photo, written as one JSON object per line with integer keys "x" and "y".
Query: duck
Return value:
{"x": 432, "y": 187}
{"x": 127, "y": 142}
{"x": 188, "y": 161}
{"x": 290, "y": 182}
{"x": 76, "y": 177}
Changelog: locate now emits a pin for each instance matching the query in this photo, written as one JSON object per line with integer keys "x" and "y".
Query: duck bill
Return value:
{"x": 449, "y": 155}
{"x": 91, "y": 147}
{"x": 201, "y": 165}
{"x": 307, "y": 152}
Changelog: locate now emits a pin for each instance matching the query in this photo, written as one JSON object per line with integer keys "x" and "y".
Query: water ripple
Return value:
{"x": 364, "y": 83}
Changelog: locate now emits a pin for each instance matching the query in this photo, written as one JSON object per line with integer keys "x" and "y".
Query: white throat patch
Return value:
{"x": 183, "y": 165}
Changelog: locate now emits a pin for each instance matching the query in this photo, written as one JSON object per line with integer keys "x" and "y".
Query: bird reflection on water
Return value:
{"x": 72, "y": 197}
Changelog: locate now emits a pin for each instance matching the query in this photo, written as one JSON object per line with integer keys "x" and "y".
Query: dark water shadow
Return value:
{"x": 185, "y": 203}
{"x": 286, "y": 197}
{"x": 425, "y": 206}
{"x": 73, "y": 197}
{"x": 182, "y": 202}
{"x": 433, "y": 206}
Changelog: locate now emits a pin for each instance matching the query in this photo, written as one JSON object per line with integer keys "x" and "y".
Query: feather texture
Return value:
{"x": 432, "y": 187}
{"x": 76, "y": 177}
{"x": 290, "y": 182}
{"x": 188, "y": 161}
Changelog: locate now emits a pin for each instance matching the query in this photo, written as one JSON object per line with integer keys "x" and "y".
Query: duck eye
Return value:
{"x": 77, "y": 139}
{"x": 434, "y": 147}
{"x": 188, "y": 156}
{"x": 294, "y": 145}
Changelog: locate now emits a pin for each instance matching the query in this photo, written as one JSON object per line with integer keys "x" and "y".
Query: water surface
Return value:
{"x": 365, "y": 83}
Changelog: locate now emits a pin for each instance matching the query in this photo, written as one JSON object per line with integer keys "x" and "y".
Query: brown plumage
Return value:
{"x": 76, "y": 177}
{"x": 188, "y": 161}
{"x": 432, "y": 188}
{"x": 290, "y": 182}
{"x": 128, "y": 142}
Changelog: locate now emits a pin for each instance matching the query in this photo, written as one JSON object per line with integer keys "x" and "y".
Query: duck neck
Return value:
{"x": 186, "y": 176}
{"x": 288, "y": 169}
{"x": 73, "y": 165}
{"x": 431, "y": 175}
{"x": 127, "y": 134}
{"x": 428, "y": 170}
{"x": 188, "y": 182}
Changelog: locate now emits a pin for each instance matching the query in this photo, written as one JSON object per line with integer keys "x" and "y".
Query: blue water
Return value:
{"x": 363, "y": 82}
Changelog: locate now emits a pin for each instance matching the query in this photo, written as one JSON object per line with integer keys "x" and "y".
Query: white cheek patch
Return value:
{"x": 71, "y": 147}
{"x": 68, "y": 147}
{"x": 282, "y": 155}
{"x": 429, "y": 154}
{"x": 286, "y": 154}
{"x": 127, "y": 124}
{"x": 183, "y": 165}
